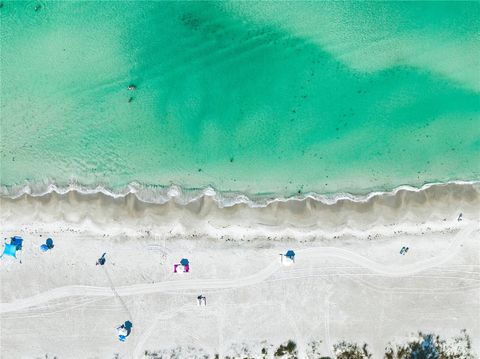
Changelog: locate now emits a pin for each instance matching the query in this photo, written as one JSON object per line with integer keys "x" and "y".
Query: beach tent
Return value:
{"x": 290, "y": 254}
{"x": 10, "y": 250}
{"x": 184, "y": 262}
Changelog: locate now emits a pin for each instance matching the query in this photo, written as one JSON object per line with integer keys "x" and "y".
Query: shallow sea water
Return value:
{"x": 268, "y": 97}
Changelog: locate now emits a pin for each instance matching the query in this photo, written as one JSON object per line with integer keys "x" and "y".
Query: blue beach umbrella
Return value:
{"x": 184, "y": 262}
{"x": 44, "y": 248}
{"x": 49, "y": 243}
{"x": 17, "y": 241}
{"x": 290, "y": 254}
{"x": 128, "y": 325}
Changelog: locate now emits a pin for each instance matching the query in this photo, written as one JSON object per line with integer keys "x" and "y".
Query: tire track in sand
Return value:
{"x": 206, "y": 284}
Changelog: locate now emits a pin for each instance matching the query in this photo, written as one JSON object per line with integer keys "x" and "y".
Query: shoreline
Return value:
{"x": 160, "y": 194}
{"x": 435, "y": 207}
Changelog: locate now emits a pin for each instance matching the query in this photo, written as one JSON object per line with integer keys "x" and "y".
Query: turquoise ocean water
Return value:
{"x": 275, "y": 98}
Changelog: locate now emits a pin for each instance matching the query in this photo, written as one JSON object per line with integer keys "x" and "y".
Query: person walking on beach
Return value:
{"x": 101, "y": 260}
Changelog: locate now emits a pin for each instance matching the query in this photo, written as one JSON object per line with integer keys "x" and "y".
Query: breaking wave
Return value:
{"x": 183, "y": 196}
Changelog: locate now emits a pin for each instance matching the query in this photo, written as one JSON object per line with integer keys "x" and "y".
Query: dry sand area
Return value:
{"x": 348, "y": 282}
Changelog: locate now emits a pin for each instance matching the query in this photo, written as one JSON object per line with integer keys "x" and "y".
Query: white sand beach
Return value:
{"x": 348, "y": 282}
